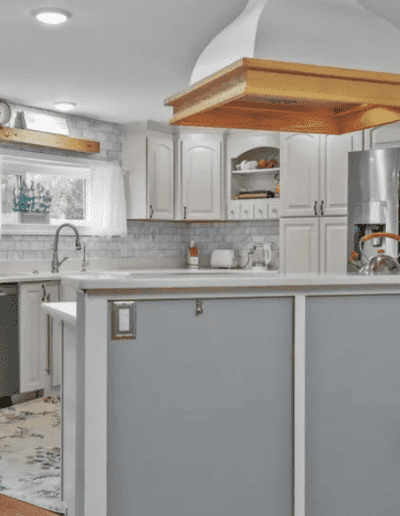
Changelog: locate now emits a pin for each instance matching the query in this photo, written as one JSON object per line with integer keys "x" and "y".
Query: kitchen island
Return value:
{"x": 199, "y": 411}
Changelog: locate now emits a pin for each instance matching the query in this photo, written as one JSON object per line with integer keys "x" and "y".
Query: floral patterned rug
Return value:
{"x": 30, "y": 452}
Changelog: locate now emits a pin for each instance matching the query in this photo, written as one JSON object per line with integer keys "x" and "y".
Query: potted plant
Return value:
{"x": 32, "y": 203}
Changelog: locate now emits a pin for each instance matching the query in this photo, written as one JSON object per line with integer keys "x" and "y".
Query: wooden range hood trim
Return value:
{"x": 278, "y": 96}
{"x": 54, "y": 141}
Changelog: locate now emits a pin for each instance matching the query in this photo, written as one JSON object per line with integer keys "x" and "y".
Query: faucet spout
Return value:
{"x": 55, "y": 264}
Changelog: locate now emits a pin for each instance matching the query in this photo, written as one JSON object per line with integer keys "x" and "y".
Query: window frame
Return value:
{"x": 13, "y": 163}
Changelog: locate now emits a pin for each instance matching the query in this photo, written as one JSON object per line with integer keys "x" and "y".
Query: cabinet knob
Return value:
{"x": 315, "y": 207}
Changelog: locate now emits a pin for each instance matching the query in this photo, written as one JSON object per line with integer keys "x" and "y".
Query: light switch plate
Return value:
{"x": 123, "y": 320}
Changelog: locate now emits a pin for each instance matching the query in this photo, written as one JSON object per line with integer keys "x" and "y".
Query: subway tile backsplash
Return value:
{"x": 151, "y": 239}
{"x": 146, "y": 240}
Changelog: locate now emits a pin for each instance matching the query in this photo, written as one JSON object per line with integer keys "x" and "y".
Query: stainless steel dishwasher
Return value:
{"x": 9, "y": 340}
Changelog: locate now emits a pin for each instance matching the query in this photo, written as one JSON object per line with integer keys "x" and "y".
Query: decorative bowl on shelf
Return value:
{"x": 266, "y": 163}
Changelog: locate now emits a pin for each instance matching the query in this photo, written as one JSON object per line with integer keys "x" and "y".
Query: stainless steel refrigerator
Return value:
{"x": 373, "y": 200}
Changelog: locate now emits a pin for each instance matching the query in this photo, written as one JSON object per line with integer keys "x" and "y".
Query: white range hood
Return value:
{"x": 327, "y": 66}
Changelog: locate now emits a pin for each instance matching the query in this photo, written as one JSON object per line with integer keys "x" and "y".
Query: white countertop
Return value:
{"x": 212, "y": 278}
{"x": 63, "y": 311}
{"x": 22, "y": 277}
{"x": 206, "y": 278}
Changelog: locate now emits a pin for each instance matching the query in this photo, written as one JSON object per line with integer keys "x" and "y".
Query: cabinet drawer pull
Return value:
{"x": 315, "y": 207}
{"x": 322, "y": 207}
{"x": 184, "y": 212}
{"x": 151, "y": 211}
{"x": 44, "y": 292}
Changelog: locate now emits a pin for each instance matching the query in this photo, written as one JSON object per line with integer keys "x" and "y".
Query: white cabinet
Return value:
{"x": 251, "y": 146}
{"x": 51, "y": 336}
{"x": 161, "y": 177}
{"x": 300, "y": 164}
{"x": 200, "y": 175}
{"x": 383, "y": 136}
{"x": 311, "y": 244}
{"x": 314, "y": 173}
{"x": 253, "y": 209}
{"x": 34, "y": 329}
{"x": 149, "y": 163}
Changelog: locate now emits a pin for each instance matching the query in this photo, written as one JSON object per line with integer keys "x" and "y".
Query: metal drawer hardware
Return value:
{"x": 322, "y": 207}
{"x": 3, "y": 292}
{"x": 315, "y": 207}
{"x": 123, "y": 320}
{"x": 184, "y": 212}
{"x": 151, "y": 211}
{"x": 199, "y": 307}
{"x": 44, "y": 292}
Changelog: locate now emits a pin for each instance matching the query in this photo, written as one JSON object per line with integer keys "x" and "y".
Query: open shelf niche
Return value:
{"x": 254, "y": 179}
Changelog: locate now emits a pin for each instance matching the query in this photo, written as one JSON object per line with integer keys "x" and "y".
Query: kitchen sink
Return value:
{"x": 193, "y": 272}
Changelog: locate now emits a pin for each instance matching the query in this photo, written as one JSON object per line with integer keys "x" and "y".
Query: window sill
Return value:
{"x": 36, "y": 229}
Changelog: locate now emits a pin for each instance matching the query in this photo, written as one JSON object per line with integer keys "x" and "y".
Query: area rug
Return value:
{"x": 30, "y": 452}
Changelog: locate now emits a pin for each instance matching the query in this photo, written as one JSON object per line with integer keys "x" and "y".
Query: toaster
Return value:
{"x": 223, "y": 259}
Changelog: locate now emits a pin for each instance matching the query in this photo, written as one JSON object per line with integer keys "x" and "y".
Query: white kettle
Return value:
{"x": 261, "y": 256}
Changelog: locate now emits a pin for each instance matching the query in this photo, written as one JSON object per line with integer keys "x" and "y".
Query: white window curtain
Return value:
{"x": 107, "y": 207}
{"x": 1, "y": 191}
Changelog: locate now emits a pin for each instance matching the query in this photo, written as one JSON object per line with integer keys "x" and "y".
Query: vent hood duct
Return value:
{"x": 322, "y": 66}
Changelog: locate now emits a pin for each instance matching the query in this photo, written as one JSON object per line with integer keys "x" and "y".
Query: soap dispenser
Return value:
{"x": 193, "y": 256}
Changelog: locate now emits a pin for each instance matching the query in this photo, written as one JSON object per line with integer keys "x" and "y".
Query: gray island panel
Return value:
{"x": 352, "y": 406}
{"x": 200, "y": 409}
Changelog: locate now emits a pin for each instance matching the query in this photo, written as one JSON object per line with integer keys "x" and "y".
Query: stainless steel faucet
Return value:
{"x": 84, "y": 262}
{"x": 55, "y": 264}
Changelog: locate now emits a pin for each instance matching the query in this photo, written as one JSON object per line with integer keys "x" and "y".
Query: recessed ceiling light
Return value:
{"x": 64, "y": 106}
{"x": 51, "y": 16}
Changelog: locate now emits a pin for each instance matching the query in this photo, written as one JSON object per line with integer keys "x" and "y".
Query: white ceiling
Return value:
{"x": 117, "y": 60}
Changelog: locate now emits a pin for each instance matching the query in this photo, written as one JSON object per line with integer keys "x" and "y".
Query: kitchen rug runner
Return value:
{"x": 30, "y": 452}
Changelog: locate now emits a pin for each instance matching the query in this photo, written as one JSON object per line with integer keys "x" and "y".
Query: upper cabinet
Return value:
{"x": 300, "y": 163}
{"x": 149, "y": 162}
{"x": 200, "y": 176}
{"x": 250, "y": 188}
{"x": 383, "y": 136}
{"x": 160, "y": 169}
{"x": 314, "y": 173}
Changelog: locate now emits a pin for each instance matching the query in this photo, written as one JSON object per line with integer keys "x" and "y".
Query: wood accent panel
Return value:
{"x": 55, "y": 141}
{"x": 12, "y": 507}
{"x": 277, "y": 96}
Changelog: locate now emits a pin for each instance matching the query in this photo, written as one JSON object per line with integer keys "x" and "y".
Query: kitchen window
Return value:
{"x": 47, "y": 192}
{"x": 57, "y": 190}
{"x": 66, "y": 196}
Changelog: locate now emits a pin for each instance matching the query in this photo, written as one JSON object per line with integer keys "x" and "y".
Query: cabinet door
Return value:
{"x": 53, "y": 346}
{"x": 334, "y": 172}
{"x": 333, "y": 244}
{"x": 161, "y": 178}
{"x": 202, "y": 406}
{"x": 299, "y": 176}
{"x": 299, "y": 247}
{"x": 383, "y": 136}
{"x": 201, "y": 178}
{"x": 352, "y": 418}
{"x": 31, "y": 345}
